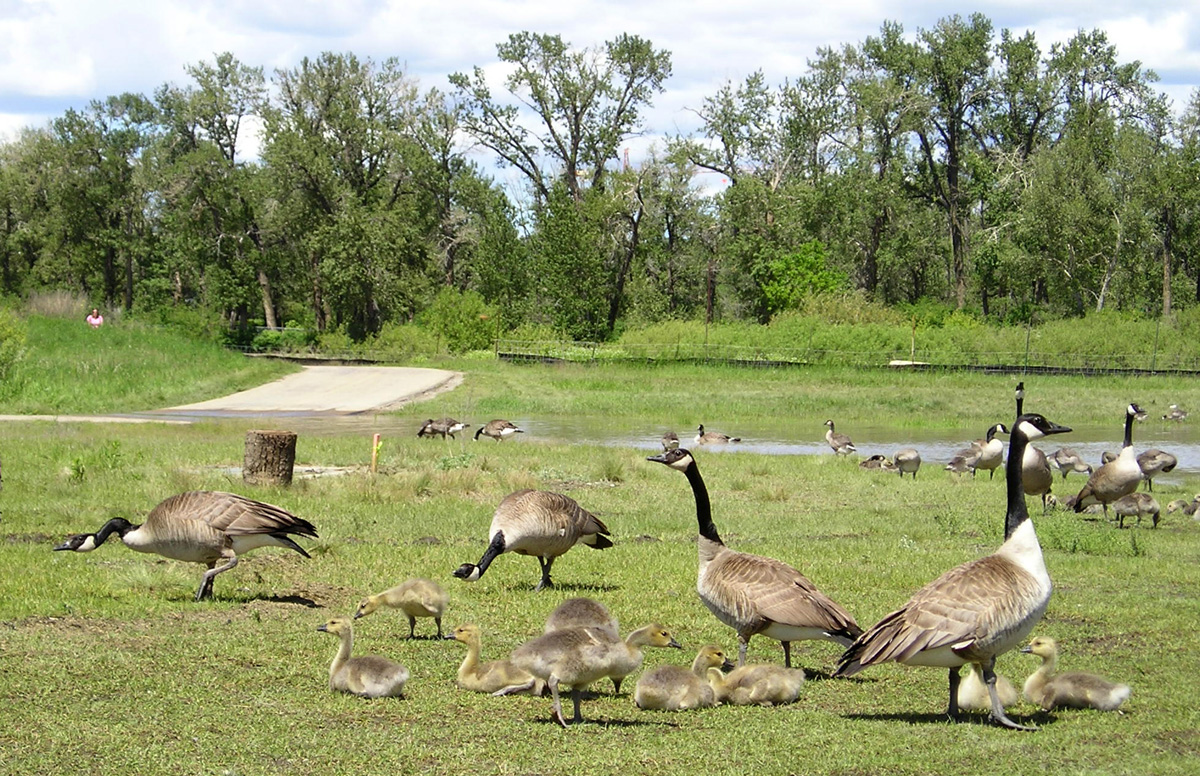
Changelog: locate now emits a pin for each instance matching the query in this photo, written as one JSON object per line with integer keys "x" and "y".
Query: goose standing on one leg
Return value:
{"x": 978, "y": 610}
{"x": 1119, "y": 477}
{"x": 203, "y": 526}
{"x": 538, "y": 523}
{"x": 752, "y": 594}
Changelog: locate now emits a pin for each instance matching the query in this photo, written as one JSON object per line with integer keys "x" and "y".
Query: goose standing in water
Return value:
{"x": 753, "y": 594}
{"x": 978, "y": 610}
{"x": 498, "y": 429}
{"x": 711, "y": 437}
{"x": 445, "y": 427}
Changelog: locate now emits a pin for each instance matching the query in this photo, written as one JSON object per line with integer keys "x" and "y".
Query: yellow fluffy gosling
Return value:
{"x": 370, "y": 676}
{"x": 973, "y": 693}
{"x": 760, "y": 685}
{"x": 494, "y": 675}
{"x": 415, "y": 597}
{"x": 674, "y": 688}
{"x": 1073, "y": 689}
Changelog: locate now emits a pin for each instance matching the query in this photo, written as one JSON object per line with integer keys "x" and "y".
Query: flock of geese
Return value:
{"x": 968, "y": 616}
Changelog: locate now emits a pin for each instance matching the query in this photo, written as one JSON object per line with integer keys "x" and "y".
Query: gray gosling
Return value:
{"x": 1066, "y": 460}
{"x": 756, "y": 685}
{"x": 577, "y": 657}
{"x": 369, "y": 676}
{"x": 670, "y": 441}
{"x": 973, "y": 692}
{"x": 415, "y": 597}
{"x": 1136, "y": 505}
{"x": 674, "y": 688}
{"x": 494, "y": 675}
{"x": 585, "y": 612}
{"x": 1154, "y": 462}
{"x": 879, "y": 463}
{"x": 1073, "y": 689}
{"x": 1187, "y": 507}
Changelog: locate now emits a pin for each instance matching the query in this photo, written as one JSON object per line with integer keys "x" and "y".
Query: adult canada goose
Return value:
{"x": 494, "y": 675}
{"x": 442, "y": 426}
{"x": 753, "y": 594}
{"x": 991, "y": 450}
{"x": 712, "y": 437}
{"x": 907, "y": 461}
{"x": 670, "y": 441}
{"x": 977, "y": 610}
{"x": 1154, "y": 462}
{"x": 1066, "y": 460}
{"x": 1073, "y": 689}
{"x": 576, "y": 657}
{"x": 498, "y": 430}
{"x": 370, "y": 676}
{"x": 1188, "y": 507}
{"x": 1036, "y": 476}
{"x": 1136, "y": 504}
{"x": 840, "y": 443}
{"x": 878, "y": 462}
{"x": 1174, "y": 413}
{"x": 415, "y": 597}
{"x": 973, "y": 693}
{"x": 756, "y": 685}
{"x": 674, "y": 688}
{"x": 203, "y": 526}
{"x": 1116, "y": 478}
{"x": 538, "y": 523}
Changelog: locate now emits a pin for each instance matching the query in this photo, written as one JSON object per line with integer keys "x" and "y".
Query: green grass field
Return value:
{"x": 108, "y": 665}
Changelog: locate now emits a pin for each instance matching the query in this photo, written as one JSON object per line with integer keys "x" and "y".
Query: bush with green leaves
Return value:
{"x": 462, "y": 320}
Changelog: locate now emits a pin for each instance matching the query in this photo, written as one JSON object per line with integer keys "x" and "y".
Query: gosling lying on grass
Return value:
{"x": 415, "y": 597}
{"x": 1073, "y": 689}
{"x": 761, "y": 685}
{"x": 674, "y": 688}
{"x": 973, "y": 692}
{"x": 495, "y": 674}
{"x": 370, "y": 676}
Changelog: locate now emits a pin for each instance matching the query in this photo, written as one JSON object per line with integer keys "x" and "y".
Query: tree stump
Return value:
{"x": 270, "y": 456}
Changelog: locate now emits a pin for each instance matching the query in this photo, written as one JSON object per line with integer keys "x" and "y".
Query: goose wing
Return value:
{"x": 231, "y": 514}
{"x": 782, "y": 594}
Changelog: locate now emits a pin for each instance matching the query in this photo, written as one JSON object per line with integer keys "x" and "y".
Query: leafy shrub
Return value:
{"x": 462, "y": 320}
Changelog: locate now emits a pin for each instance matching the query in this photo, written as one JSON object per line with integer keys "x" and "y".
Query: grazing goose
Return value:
{"x": 756, "y": 685}
{"x": 670, "y": 441}
{"x": 1066, "y": 460}
{"x": 711, "y": 437}
{"x": 753, "y": 594}
{"x": 1154, "y": 462}
{"x": 964, "y": 461}
{"x": 975, "y": 611}
{"x": 1188, "y": 507}
{"x": 1136, "y": 505}
{"x": 1073, "y": 689}
{"x": 203, "y": 526}
{"x": 494, "y": 675}
{"x": 907, "y": 461}
{"x": 973, "y": 693}
{"x": 674, "y": 688}
{"x": 415, "y": 597}
{"x": 1174, "y": 413}
{"x": 840, "y": 443}
{"x": 498, "y": 430}
{"x": 370, "y": 676}
{"x": 1118, "y": 477}
{"x": 446, "y": 427}
{"x": 576, "y": 657}
{"x": 538, "y": 523}
{"x": 878, "y": 462}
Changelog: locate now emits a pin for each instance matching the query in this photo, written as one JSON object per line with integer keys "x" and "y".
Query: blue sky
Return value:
{"x": 57, "y": 54}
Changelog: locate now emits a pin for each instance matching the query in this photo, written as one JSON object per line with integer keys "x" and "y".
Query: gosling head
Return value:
{"x": 712, "y": 656}
{"x": 655, "y": 635}
{"x": 678, "y": 459}
{"x": 467, "y": 634}
{"x": 1042, "y": 646}
{"x": 336, "y": 625}
{"x": 366, "y": 606}
{"x": 467, "y": 571}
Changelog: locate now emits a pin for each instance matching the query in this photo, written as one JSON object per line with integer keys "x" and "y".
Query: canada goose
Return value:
{"x": 670, "y": 440}
{"x": 990, "y": 450}
{"x": 1174, "y": 413}
{"x": 753, "y": 594}
{"x": 840, "y": 443}
{"x": 498, "y": 430}
{"x": 538, "y": 523}
{"x": 1036, "y": 476}
{"x": 203, "y": 526}
{"x": 1136, "y": 504}
{"x": 878, "y": 462}
{"x": 674, "y": 688}
{"x": 712, "y": 437}
{"x": 1154, "y": 462}
{"x": 973, "y": 692}
{"x": 494, "y": 675}
{"x": 1188, "y": 507}
{"x": 370, "y": 676}
{"x": 443, "y": 426}
{"x": 1116, "y": 478}
{"x": 576, "y": 657}
{"x": 1066, "y": 460}
{"x": 756, "y": 685}
{"x": 907, "y": 461}
{"x": 415, "y": 597}
{"x": 1073, "y": 689}
{"x": 977, "y": 610}
{"x": 963, "y": 461}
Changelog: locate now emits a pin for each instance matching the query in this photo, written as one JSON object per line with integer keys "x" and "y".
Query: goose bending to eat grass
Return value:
{"x": 415, "y": 597}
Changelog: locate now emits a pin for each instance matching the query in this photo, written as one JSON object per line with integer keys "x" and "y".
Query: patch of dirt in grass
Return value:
{"x": 30, "y": 538}
{"x": 1184, "y": 742}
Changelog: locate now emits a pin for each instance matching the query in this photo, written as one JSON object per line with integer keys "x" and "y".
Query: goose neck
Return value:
{"x": 703, "y": 507}
{"x": 345, "y": 647}
{"x": 1128, "y": 431}
{"x": 117, "y": 525}
{"x": 1017, "y": 512}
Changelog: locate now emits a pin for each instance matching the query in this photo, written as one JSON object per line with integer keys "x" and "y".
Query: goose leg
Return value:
{"x": 787, "y": 653}
{"x": 438, "y": 622}
{"x": 552, "y": 683}
{"x": 546, "y": 564}
{"x": 952, "y": 708}
{"x": 998, "y": 716}
{"x": 577, "y": 697}
{"x": 412, "y": 626}
{"x": 206, "y": 581}
{"x": 743, "y": 643}
{"x": 616, "y": 680}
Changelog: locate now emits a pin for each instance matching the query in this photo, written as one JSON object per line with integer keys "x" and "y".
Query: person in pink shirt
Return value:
{"x": 95, "y": 319}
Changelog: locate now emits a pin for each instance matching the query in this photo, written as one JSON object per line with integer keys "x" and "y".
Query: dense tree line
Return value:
{"x": 956, "y": 167}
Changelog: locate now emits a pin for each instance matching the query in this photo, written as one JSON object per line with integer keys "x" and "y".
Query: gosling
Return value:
{"x": 494, "y": 675}
{"x": 759, "y": 685}
{"x": 415, "y": 597}
{"x": 369, "y": 676}
{"x": 674, "y": 688}
{"x": 973, "y": 692}
{"x": 1073, "y": 689}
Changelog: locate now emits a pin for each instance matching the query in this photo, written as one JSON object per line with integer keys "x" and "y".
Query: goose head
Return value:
{"x": 679, "y": 459}
{"x": 366, "y": 606}
{"x": 1034, "y": 426}
{"x": 467, "y": 571}
{"x": 655, "y": 635}
{"x": 336, "y": 625}
{"x": 467, "y": 634}
{"x": 86, "y": 542}
{"x": 1042, "y": 646}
